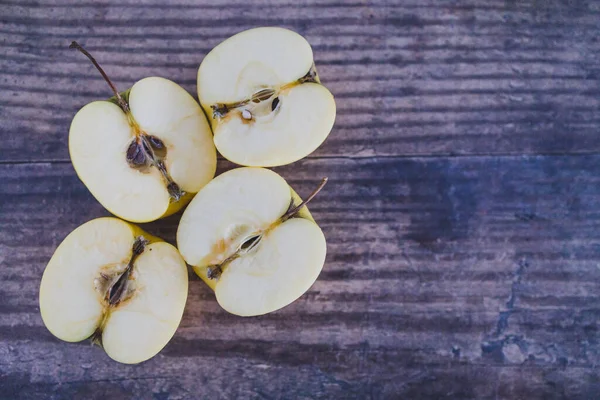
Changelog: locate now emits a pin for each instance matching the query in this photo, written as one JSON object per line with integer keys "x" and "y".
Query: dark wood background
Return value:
{"x": 462, "y": 213}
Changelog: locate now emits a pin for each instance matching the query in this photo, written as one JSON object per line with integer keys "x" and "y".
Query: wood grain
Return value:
{"x": 440, "y": 271}
{"x": 461, "y": 213}
{"x": 415, "y": 78}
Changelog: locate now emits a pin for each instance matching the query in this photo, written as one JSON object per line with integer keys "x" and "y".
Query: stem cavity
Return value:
{"x": 147, "y": 150}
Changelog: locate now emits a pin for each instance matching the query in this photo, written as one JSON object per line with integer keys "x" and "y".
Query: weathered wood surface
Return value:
{"x": 414, "y": 77}
{"x": 461, "y": 215}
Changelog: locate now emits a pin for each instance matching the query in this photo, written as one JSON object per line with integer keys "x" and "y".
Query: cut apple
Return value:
{"x": 250, "y": 238}
{"x": 264, "y": 99}
{"x": 111, "y": 281}
{"x": 145, "y": 154}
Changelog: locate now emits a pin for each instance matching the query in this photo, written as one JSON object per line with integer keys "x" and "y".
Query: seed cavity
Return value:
{"x": 262, "y": 95}
{"x": 251, "y": 242}
{"x": 156, "y": 143}
{"x": 115, "y": 286}
{"x": 147, "y": 150}
{"x": 253, "y": 104}
{"x": 118, "y": 290}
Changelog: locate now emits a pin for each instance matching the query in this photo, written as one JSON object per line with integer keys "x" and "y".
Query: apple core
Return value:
{"x": 145, "y": 150}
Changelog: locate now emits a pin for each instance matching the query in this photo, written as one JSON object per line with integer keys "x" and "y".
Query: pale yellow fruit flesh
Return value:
{"x": 98, "y": 139}
{"x": 101, "y": 133}
{"x": 302, "y": 122}
{"x": 303, "y": 213}
{"x": 227, "y": 211}
{"x": 249, "y": 61}
{"x": 229, "y": 208}
{"x": 165, "y": 110}
{"x": 139, "y": 327}
{"x": 257, "y": 59}
{"x": 69, "y": 304}
{"x": 286, "y": 263}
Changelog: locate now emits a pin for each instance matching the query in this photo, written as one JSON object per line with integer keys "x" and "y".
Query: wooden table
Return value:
{"x": 462, "y": 214}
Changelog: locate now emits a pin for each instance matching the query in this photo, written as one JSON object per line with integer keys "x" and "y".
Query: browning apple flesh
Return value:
{"x": 249, "y": 243}
{"x": 264, "y": 99}
{"x": 121, "y": 287}
{"x": 252, "y": 240}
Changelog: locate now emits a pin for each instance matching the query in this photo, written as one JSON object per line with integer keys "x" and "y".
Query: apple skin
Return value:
{"x": 262, "y": 133}
{"x": 256, "y": 250}
{"x": 139, "y": 326}
{"x": 191, "y": 154}
{"x": 303, "y": 213}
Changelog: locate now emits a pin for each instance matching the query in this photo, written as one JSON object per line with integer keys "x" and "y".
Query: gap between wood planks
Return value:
{"x": 375, "y": 157}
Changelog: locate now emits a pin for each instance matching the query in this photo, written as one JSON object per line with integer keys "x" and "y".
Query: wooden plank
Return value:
{"x": 413, "y": 78}
{"x": 468, "y": 277}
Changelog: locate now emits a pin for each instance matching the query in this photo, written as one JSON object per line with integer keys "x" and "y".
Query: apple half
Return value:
{"x": 251, "y": 238}
{"x": 264, "y": 98}
{"x": 145, "y": 153}
{"x": 112, "y": 282}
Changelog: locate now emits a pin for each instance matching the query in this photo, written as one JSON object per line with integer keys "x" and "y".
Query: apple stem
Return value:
{"x": 290, "y": 213}
{"x": 120, "y": 100}
{"x": 214, "y": 271}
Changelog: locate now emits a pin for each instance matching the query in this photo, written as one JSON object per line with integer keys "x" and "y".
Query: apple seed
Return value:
{"x": 220, "y": 110}
{"x": 274, "y": 103}
{"x": 136, "y": 156}
{"x": 145, "y": 149}
{"x": 117, "y": 291}
{"x": 156, "y": 143}
{"x": 262, "y": 95}
{"x": 250, "y": 243}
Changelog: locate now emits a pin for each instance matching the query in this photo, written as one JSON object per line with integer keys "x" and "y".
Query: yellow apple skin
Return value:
{"x": 101, "y": 132}
{"x": 73, "y": 309}
{"x": 239, "y": 237}
{"x": 173, "y": 208}
{"x": 270, "y": 134}
{"x": 303, "y": 213}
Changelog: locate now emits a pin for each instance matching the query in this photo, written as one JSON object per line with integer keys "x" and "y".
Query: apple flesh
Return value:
{"x": 144, "y": 155}
{"x": 252, "y": 240}
{"x": 113, "y": 282}
{"x": 264, "y": 99}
